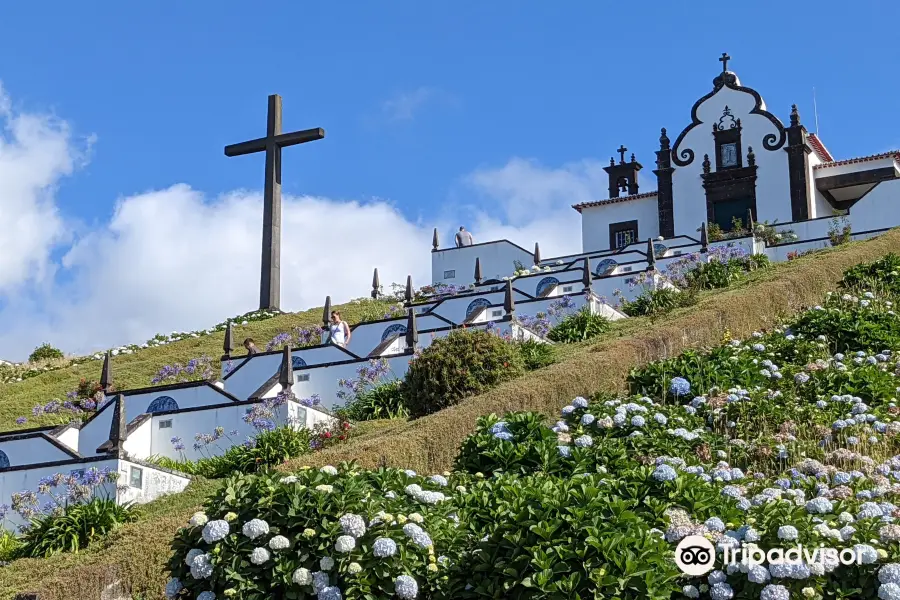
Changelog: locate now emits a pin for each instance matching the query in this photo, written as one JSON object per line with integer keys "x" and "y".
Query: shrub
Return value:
{"x": 536, "y": 355}
{"x": 578, "y": 327}
{"x": 839, "y": 231}
{"x": 10, "y": 546}
{"x": 656, "y": 302}
{"x": 464, "y": 363}
{"x": 882, "y": 274}
{"x": 339, "y": 532}
{"x": 383, "y": 401}
{"x": 74, "y": 527}
{"x": 45, "y": 352}
{"x": 196, "y": 369}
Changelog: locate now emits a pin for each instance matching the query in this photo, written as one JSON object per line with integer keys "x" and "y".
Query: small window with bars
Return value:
{"x": 625, "y": 237}
{"x": 450, "y": 274}
{"x": 136, "y": 480}
{"x": 165, "y": 424}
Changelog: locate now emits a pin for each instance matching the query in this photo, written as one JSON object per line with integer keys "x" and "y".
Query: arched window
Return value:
{"x": 163, "y": 403}
{"x": 605, "y": 267}
{"x": 4, "y": 460}
{"x": 396, "y": 329}
{"x": 545, "y": 284}
{"x": 297, "y": 362}
{"x": 475, "y": 305}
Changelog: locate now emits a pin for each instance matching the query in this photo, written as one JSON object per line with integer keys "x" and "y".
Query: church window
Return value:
{"x": 567, "y": 289}
{"x": 623, "y": 233}
{"x": 304, "y": 377}
{"x": 450, "y": 274}
{"x": 496, "y": 313}
{"x": 136, "y": 479}
{"x": 162, "y": 404}
{"x": 165, "y": 424}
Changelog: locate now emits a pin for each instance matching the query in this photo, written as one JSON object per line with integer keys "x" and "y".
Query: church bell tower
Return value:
{"x": 623, "y": 177}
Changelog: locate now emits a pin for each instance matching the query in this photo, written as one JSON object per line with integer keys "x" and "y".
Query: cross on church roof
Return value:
{"x": 275, "y": 140}
{"x": 724, "y": 60}
{"x": 622, "y": 150}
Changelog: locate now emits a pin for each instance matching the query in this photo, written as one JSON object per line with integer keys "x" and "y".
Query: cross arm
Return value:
{"x": 299, "y": 137}
{"x": 257, "y": 145}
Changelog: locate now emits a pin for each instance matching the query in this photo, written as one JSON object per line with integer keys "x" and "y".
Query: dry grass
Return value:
{"x": 138, "y": 552}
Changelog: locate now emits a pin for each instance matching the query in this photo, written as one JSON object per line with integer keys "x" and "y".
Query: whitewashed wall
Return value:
{"x": 496, "y": 257}
{"x": 155, "y": 483}
{"x": 69, "y": 437}
{"x": 139, "y": 442}
{"x": 772, "y": 190}
{"x": 33, "y": 449}
{"x": 95, "y": 431}
{"x": 367, "y": 336}
{"x": 595, "y": 221}
{"x": 313, "y": 355}
{"x": 878, "y": 209}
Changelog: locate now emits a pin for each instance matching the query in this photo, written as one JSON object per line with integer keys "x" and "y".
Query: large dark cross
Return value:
{"x": 724, "y": 60}
{"x": 270, "y": 277}
{"x": 622, "y": 150}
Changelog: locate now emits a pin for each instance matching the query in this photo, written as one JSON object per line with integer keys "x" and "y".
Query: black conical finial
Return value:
{"x": 706, "y": 164}
{"x": 586, "y": 277}
{"x": 651, "y": 255}
{"x": 376, "y": 285}
{"x": 704, "y": 238}
{"x": 106, "y": 373}
{"x": 663, "y": 139}
{"x": 751, "y": 158}
{"x": 228, "y": 343}
{"x": 434, "y": 240}
{"x": 408, "y": 296}
{"x": 509, "y": 302}
{"x": 286, "y": 373}
{"x": 412, "y": 330}
{"x": 119, "y": 426}
{"x": 326, "y": 313}
{"x": 478, "y": 277}
{"x": 537, "y": 254}
{"x": 795, "y": 116}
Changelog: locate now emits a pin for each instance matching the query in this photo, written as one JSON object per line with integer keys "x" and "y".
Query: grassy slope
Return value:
{"x": 136, "y": 370}
{"x": 137, "y": 553}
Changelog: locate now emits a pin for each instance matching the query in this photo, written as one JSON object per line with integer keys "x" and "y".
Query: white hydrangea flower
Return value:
{"x": 288, "y": 479}
{"x": 353, "y": 525}
{"x": 259, "y": 556}
{"x": 384, "y": 547}
{"x": 279, "y": 542}
{"x": 215, "y": 531}
{"x": 191, "y": 555}
{"x": 329, "y": 470}
{"x": 326, "y": 563}
{"x": 345, "y": 543}
{"x": 302, "y": 576}
{"x": 325, "y": 488}
{"x": 201, "y": 567}
{"x": 354, "y": 568}
{"x": 199, "y": 519}
{"x": 416, "y": 518}
{"x": 255, "y": 528}
{"x": 406, "y": 587}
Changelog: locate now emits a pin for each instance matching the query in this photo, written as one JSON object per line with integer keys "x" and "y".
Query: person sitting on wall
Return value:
{"x": 250, "y": 346}
{"x": 338, "y": 331}
{"x": 463, "y": 238}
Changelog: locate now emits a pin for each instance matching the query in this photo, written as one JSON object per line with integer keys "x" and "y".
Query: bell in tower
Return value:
{"x": 623, "y": 177}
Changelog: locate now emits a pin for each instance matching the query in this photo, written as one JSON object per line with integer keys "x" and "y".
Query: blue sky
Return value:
{"x": 423, "y": 103}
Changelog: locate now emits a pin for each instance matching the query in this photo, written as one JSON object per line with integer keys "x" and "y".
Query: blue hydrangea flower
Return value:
{"x": 664, "y": 473}
{"x": 679, "y": 386}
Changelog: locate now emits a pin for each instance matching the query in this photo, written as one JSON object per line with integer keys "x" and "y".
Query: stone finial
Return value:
{"x": 586, "y": 276}
{"x": 408, "y": 296}
{"x": 795, "y": 116}
{"x": 612, "y": 161}
{"x": 633, "y": 159}
{"x": 106, "y": 373}
{"x": 706, "y": 164}
{"x": 509, "y": 301}
{"x": 286, "y": 372}
{"x": 228, "y": 343}
{"x": 751, "y": 158}
{"x": 119, "y": 427}
{"x": 537, "y": 254}
{"x": 326, "y": 313}
{"x": 376, "y": 285}
{"x": 651, "y": 255}
{"x": 478, "y": 276}
{"x": 412, "y": 330}
{"x": 434, "y": 240}
{"x": 663, "y": 139}
{"x": 704, "y": 238}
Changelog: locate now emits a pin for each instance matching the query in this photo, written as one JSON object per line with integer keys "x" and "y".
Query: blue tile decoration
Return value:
{"x": 477, "y": 304}
{"x": 392, "y": 330}
{"x": 4, "y": 460}
{"x": 660, "y": 249}
{"x": 161, "y": 404}
{"x": 544, "y": 284}
{"x": 605, "y": 267}
{"x": 297, "y": 362}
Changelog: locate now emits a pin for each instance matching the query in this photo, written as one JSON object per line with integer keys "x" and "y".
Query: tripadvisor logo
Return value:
{"x": 695, "y": 555}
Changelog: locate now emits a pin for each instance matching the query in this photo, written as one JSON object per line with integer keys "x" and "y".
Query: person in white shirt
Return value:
{"x": 463, "y": 238}
{"x": 339, "y": 330}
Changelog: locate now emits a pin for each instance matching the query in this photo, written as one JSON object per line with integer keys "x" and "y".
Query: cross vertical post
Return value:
{"x": 275, "y": 140}
{"x": 724, "y": 60}
{"x": 622, "y": 150}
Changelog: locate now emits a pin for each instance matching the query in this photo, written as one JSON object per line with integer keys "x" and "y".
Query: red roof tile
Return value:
{"x": 819, "y": 148}
{"x": 895, "y": 154}
{"x": 578, "y": 207}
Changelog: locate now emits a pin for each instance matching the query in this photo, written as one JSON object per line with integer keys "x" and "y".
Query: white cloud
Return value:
{"x": 404, "y": 105}
{"x": 175, "y": 259}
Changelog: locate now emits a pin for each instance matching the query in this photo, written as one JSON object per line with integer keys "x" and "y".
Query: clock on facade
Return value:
{"x": 729, "y": 155}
